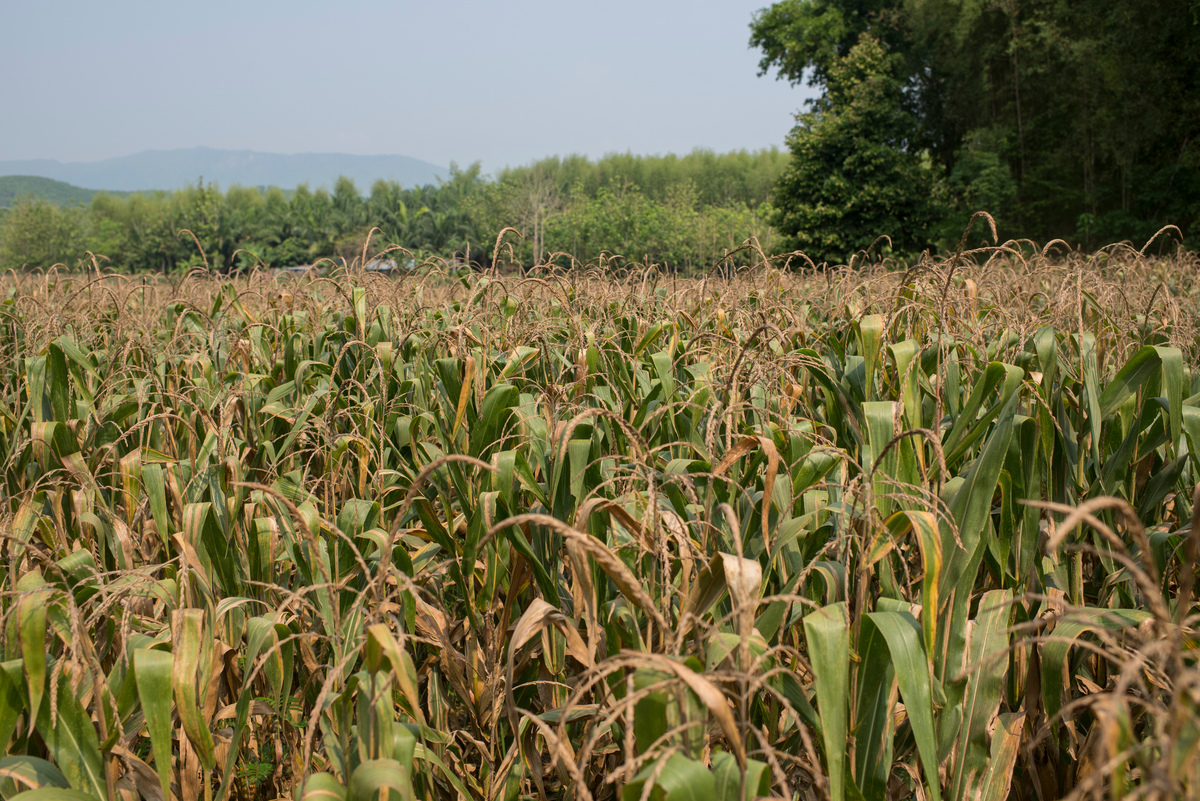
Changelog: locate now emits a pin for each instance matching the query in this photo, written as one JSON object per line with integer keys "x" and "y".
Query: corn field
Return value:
{"x": 880, "y": 533}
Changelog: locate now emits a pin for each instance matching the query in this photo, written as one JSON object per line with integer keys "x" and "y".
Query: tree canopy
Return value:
{"x": 1064, "y": 118}
{"x": 853, "y": 176}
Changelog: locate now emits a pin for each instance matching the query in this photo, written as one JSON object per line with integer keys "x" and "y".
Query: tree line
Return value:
{"x": 682, "y": 212}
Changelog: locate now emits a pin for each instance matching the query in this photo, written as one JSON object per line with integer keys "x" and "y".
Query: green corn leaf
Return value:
{"x": 463, "y": 401}
{"x": 1046, "y": 346}
{"x": 153, "y": 672}
{"x": 902, "y": 634}
{"x": 728, "y": 778}
{"x": 12, "y": 699}
{"x": 420, "y": 752}
{"x": 35, "y": 380}
{"x": 321, "y": 787}
{"x": 298, "y": 425}
{"x": 184, "y": 680}
{"x": 951, "y": 652}
{"x": 54, "y": 794}
{"x": 28, "y": 772}
{"x": 812, "y": 468}
{"x": 880, "y": 418}
{"x": 924, "y": 526}
{"x": 495, "y": 414}
{"x": 664, "y": 370}
{"x": 72, "y": 351}
{"x": 1129, "y": 379}
{"x": 969, "y": 425}
{"x": 650, "y": 712}
{"x": 649, "y": 338}
{"x": 680, "y": 779}
{"x": 1191, "y": 427}
{"x": 359, "y": 297}
{"x": 1090, "y": 369}
{"x": 1173, "y": 380}
{"x": 31, "y": 618}
{"x": 870, "y": 342}
{"x": 829, "y": 650}
{"x": 156, "y": 493}
{"x": 1006, "y": 741}
{"x": 262, "y": 634}
{"x": 517, "y": 360}
{"x": 837, "y": 398}
{"x": 545, "y": 582}
{"x": 578, "y": 457}
{"x": 987, "y": 662}
{"x": 971, "y": 505}
{"x": 381, "y": 638}
{"x": 58, "y": 384}
{"x": 504, "y": 479}
{"x": 907, "y": 374}
{"x": 788, "y": 686}
{"x": 72, "y": 742}
{"x": 404, "y": 744}
{"x": 874, "y": 728}
{"x": 1161, "y": 484}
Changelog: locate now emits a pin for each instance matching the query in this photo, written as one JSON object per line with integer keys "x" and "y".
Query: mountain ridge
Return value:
{"x": 174, "y": 169}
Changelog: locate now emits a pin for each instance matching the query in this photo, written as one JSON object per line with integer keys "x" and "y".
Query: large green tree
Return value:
{"x": 854, "y": 176}
{"x": 1071, "y": 118}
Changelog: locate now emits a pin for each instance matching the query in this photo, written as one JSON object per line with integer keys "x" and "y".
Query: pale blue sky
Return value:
{"x": 462, "y": 80}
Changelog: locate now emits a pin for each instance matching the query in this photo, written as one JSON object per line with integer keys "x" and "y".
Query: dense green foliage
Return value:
{"x": 38, "y": 232}
{"x": 681, "y": 212}
{"x": 876, "y": 535}
{"x": 1064, "y": 118}
{"x": 851, "y": 174}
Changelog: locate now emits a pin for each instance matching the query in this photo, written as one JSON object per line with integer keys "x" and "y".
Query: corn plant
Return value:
{"x": 883, "y": 533}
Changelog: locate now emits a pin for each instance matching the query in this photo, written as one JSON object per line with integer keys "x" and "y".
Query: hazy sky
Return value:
{"x": 462, "y": 80}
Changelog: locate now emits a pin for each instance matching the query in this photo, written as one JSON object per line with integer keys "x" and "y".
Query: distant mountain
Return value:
{"x": 173, "y": 169}
{"x": 15, "y": 186}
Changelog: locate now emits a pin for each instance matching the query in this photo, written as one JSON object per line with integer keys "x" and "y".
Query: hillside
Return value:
{"x": 173, "y": 169}
{"x": 15, "y": 186}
